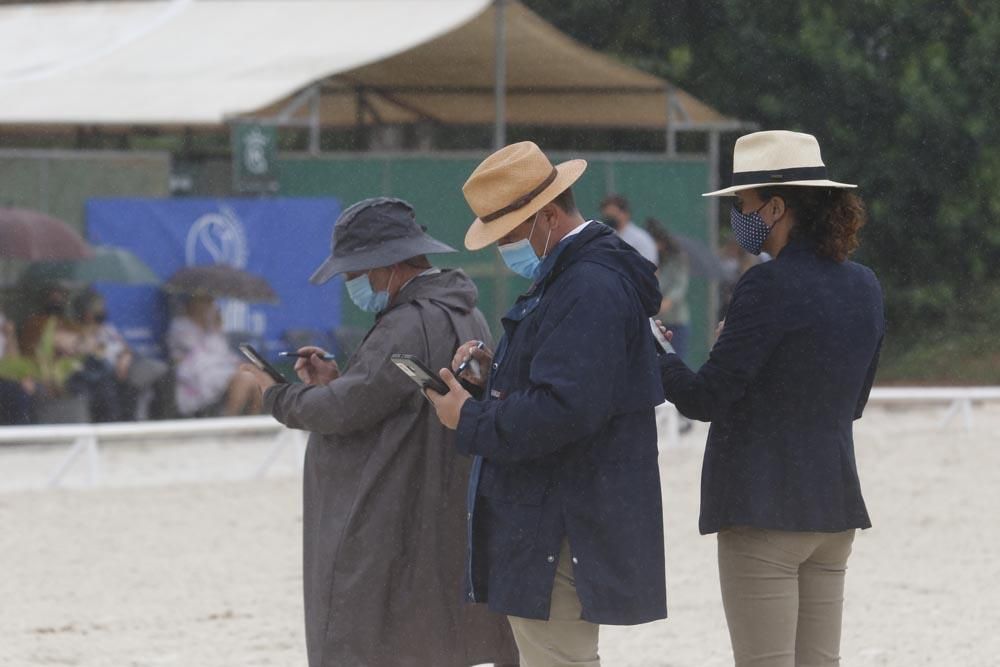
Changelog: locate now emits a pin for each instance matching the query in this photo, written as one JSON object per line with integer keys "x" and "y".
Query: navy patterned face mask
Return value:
{"x": 749, "y": 229}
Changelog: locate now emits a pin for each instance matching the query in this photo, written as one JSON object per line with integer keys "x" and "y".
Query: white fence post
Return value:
{"x": 93, "y": 461}
{"x": 75, "y": 450}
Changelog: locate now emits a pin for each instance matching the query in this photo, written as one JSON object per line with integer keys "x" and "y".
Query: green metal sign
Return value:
{"x": 255, "y": 154}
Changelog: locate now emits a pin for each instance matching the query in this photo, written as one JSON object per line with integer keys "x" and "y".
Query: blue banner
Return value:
{"x": 282, "y": 240}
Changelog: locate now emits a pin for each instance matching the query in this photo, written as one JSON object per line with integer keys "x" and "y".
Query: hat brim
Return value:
{"x": 813, "y": 184}
{"x": 384, "y": 254}
{"x": 481, "y": 234}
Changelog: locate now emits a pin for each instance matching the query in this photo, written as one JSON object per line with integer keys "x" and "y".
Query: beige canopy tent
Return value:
{"x": 337, "y": 63}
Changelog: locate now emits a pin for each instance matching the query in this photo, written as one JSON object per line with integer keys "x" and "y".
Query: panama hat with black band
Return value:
{"x": 510, "y": 186}
{"x": 777, "y": 157}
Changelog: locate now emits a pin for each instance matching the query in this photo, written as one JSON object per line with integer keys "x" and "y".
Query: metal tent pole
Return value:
{"x": 500, "y": 74}
{"x": 713, "y": 229}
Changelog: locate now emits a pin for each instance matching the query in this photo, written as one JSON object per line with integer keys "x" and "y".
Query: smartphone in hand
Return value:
{"x": 260, "y": 362}
{"x": 415, "y": 369}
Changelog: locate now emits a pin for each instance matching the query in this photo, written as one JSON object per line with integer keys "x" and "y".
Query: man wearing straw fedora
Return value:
{"x": 565, "y": 523}
{"x": 790, "y": 372}
{"x": 383, "y": 490}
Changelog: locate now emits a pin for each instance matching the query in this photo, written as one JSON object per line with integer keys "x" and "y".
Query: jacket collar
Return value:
{"x": 796, "y": 247}
{"x": 565, "y": 253}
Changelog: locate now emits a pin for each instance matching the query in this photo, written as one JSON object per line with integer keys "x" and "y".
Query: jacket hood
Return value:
{"x": 599, "y": 244}
{"x": 451, "y": 288}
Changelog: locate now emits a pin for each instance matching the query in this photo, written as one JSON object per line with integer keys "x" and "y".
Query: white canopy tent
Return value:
{"x": 333, "y": 63}
{"x": 184, "y": 62}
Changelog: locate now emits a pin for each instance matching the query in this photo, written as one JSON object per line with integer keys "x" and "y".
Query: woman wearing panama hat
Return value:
{"x": 789, "y": 373}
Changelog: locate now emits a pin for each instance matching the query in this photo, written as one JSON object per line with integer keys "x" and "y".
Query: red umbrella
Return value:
{"x": 34, "y": 236}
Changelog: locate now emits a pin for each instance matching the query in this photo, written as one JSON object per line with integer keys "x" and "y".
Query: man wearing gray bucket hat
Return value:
{"x": 383, "y": 519}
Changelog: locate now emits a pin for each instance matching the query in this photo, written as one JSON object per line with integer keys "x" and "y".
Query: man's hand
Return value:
{"x": 314, "y": 369}
{"x": 449, "y": 406}
{"x": 482, "y": 355}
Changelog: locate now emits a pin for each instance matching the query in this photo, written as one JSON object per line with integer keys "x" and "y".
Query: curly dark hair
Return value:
{"x": 829, "y": 217}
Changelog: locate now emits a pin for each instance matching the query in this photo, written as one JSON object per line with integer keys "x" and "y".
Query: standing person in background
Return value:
{"x": 384, "y": 490}
{"x": 616, "y": 214}
{"x": 790, "y": 372}
{"x": 565, "y": 520}
{"x": 674, "y": 277}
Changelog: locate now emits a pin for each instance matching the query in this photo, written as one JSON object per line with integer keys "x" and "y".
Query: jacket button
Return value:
{"x": 551, "y": 559}
{"x": 575, "y": 561}
{"x": 496, "y": 366}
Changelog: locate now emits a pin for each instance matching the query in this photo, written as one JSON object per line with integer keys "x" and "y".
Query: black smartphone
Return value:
{"x": 419, "y": 373}
{"x": 261, "y": 363}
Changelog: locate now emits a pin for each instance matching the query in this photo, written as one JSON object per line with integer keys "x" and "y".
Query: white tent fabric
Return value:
{"x": 344, "y": 62}
{"x": 185, "y": 62}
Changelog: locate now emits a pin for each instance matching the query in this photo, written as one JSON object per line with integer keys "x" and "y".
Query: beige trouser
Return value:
{"x": 783, "y": 593}
{"x": 565, "y": 639}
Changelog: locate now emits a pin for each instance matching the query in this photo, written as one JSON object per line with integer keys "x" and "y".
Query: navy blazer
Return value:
{"x": 791, "y": 371}
{"x": 565, "y": 443}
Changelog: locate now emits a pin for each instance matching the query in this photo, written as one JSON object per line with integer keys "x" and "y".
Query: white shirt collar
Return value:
{"x": 575, "y": 231}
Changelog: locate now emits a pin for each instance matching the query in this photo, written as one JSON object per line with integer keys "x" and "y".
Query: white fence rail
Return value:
{"x": 85, "y": 440}
{"x": 957, "y": 401}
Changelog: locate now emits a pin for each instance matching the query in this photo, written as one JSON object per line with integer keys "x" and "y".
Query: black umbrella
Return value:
{"x": 221, "y": 281}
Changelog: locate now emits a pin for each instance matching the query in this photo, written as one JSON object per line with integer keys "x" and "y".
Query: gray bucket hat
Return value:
{"x": 375, "y": 232}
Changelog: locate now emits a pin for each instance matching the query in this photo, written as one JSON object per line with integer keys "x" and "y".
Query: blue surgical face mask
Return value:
{"x": 520, "y": 257}
{"x": 364, "y": 297}
{"x": 749, "y": 229}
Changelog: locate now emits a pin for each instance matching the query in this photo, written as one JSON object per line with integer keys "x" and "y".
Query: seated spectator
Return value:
{"x": 94, "y": 379}
{"x": 15, "y": 395}
{"x": 136, "y": 378}
{"x": 54, "y": 306}
{"x": 208, "y": 377}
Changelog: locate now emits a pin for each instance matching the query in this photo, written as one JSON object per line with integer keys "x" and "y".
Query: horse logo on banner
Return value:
{"x": 220, "y": 238}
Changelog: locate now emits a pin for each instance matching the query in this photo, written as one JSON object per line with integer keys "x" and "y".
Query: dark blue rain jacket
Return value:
{"x": 782, "y": 387}
{"x": 565, "y": 441}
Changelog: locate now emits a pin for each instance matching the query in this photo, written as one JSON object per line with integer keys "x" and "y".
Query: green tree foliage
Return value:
{"x": 902, "y": 94}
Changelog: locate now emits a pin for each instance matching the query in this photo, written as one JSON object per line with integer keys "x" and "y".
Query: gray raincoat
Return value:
{"x": 384, "y": 498}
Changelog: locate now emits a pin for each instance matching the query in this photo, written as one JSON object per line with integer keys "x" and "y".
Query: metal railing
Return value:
{"x": 85, "y": 440}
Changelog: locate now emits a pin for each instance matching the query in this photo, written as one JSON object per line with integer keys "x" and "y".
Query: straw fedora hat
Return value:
{"x": 510, "y": 186}
{"x": 777, "y": 157}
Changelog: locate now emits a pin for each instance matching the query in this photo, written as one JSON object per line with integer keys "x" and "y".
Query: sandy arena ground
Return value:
{"x": 167, "y": 565}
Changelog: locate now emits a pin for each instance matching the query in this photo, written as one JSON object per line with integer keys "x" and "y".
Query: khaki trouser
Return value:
{"x": 565, "y": 639}
{"x": 783, "y": 593}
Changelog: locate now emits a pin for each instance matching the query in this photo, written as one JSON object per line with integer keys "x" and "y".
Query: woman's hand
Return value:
{"x": 314, "y": 369}
{"x": 667, "y": 333}
{"x": 478, "y": 352}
